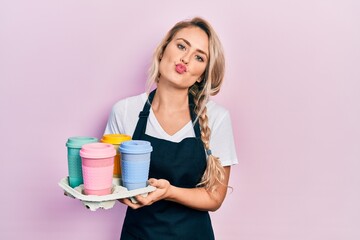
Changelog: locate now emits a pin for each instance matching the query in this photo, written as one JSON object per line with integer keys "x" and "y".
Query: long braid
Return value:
{"x": 214, "y": 172}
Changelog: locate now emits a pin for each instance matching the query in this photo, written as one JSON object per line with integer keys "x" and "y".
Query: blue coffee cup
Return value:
{"x": 135, "y": 163}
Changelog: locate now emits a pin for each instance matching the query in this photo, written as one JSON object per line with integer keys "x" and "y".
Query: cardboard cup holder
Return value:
{"x": 94, "y": 202}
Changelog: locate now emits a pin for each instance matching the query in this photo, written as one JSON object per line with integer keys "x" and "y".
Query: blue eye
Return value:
{"x": 180, "y": 46}
{"x": 200, "y": 59}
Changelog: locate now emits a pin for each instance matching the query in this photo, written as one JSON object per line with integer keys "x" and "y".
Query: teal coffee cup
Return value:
{"x": 135, "y": 163}
{"x": 74, "y": 145}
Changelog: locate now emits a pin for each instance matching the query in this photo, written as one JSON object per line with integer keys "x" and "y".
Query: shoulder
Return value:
{"x": 124, "y": 114}
{"x": 133, "y": 102}
{"x": 216, "y": 113}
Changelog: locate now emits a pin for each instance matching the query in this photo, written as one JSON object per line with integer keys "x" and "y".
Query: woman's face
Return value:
{"x": 185, "y": 58}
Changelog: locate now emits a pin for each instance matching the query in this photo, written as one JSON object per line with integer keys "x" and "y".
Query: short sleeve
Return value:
{"x": 114, "y": 124}
{"x": 124, "y": 115}
{"x": 222, "y": 139}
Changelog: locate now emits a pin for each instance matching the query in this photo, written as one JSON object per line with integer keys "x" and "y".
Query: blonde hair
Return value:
{"x": 209, "y": 86}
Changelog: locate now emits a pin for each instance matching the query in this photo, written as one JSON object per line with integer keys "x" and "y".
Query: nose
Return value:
{"x": 185, "y": 58}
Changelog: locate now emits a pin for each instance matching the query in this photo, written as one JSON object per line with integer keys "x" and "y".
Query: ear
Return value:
{"x": 199, "y": 79}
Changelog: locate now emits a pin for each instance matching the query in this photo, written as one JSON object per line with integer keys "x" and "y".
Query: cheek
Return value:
{"x": 164, "y": 65}
{"x": 166, "y": 59}
{"x": 199, "y": 70}
{"x": 169, "y": 53}
{"x": 161, "y": 67}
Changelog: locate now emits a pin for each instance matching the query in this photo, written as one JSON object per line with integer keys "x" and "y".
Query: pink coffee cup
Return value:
{"x": 97, "y": 167}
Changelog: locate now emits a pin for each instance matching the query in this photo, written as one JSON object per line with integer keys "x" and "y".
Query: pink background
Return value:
{"x": 292, "y": 87}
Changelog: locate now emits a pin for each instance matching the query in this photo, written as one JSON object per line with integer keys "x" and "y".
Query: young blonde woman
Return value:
{"x": 192, "y": 139}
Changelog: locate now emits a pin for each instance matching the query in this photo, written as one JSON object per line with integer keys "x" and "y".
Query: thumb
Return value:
{"x": 153, "y": 182}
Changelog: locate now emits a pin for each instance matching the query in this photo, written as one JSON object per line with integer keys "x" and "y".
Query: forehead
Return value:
{"x": 195, "y": 36}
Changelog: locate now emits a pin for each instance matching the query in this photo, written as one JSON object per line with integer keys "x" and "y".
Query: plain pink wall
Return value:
{"x": 292, "y": 87}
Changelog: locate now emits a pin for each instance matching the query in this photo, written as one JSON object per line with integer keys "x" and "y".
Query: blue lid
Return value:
{"x": 135, "y": 147}
{"x": 77, "y": 142}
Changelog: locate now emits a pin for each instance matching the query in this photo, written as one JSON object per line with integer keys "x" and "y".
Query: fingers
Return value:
{"x": 152, "y": 181}
{"x": 158, "y": 183}
{"x": 144, "y": 201}
{"x": 129, "y": 203}
{"x": 139, "y": 202}
{"x": 160, "y": 193}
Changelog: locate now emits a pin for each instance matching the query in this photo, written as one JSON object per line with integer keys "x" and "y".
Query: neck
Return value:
{"x": 170, "y": 99}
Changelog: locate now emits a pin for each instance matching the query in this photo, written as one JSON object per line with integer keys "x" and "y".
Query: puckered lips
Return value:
{"x": 180, "y": 68}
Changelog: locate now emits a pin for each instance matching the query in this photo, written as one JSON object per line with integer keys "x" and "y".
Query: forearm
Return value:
{"x": 200, "y": 198}
{"x": 197, "y": 198}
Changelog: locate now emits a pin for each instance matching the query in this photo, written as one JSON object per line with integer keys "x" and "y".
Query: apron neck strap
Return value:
{"x": 144, "y": 114}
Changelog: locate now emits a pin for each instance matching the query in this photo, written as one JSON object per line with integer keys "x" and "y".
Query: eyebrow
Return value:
{"x": 188, "y": 43}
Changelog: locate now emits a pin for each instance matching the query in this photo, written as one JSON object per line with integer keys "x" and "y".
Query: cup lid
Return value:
{"x": 77, "y": 142}
{"x": 135, "y": 147}
{"x": 115, "y": 138}
{"x": 97, "y": 150}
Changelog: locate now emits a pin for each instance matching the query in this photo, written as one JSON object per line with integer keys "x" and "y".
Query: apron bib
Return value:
{"x": 183, "y": 165}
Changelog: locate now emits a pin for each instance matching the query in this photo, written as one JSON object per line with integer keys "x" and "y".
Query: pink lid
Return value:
{"x": 97, "y": 150}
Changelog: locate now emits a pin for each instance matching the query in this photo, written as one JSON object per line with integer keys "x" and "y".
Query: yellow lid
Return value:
{"x": 115, "y": 138}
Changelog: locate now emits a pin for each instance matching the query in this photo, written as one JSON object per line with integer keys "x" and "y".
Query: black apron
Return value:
{"x": 183, "y": 165}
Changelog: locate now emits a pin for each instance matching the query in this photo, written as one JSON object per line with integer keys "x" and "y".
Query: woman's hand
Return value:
{"x": 161, "y": 192}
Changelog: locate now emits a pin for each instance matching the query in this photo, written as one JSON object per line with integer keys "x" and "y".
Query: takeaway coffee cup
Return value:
{"x": 135, "y": 163}
{"x": 74, "y": 145}
{"x": 97, "y": 167}
{"x": 116, "y": 140}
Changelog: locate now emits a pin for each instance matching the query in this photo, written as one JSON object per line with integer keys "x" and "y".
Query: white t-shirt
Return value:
{"x": 125, "y": 114}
